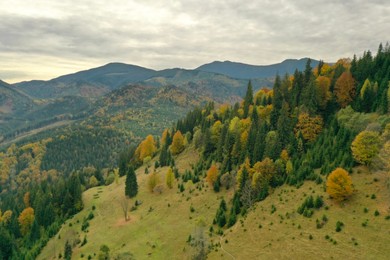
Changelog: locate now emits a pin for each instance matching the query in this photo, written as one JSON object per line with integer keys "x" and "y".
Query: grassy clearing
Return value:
{"x": 155, "y": 230}
{"x": 159, "y": 228}
{"x": 285, "y": 234}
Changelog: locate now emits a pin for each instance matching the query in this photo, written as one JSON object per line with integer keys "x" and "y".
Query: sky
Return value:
{"x": 43, "y": 39}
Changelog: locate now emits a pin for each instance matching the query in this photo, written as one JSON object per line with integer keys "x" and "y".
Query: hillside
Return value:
{"x": 155, "y": 231}
{"x": 246, "y": 71}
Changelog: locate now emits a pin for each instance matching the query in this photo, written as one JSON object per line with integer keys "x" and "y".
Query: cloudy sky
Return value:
{"x": 42, "y": 39}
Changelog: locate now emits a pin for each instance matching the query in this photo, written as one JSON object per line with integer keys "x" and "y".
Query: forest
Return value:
{"x": 315, "y": 125}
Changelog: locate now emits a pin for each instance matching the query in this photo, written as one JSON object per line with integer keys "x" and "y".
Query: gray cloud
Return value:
{"x": 47, "y": 38}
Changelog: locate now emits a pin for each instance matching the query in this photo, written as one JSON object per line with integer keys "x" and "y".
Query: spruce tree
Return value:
{"x": 131, "y": 186}
{"x": 248, "y": 99}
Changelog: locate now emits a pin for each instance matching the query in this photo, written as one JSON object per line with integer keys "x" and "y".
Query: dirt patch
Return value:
{"x": 122, "y": 222}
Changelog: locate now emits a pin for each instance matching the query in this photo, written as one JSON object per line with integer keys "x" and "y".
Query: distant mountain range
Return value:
{"x": 32, "y": 104}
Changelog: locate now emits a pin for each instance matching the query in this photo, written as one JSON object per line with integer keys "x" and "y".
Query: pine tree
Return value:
{"x": 248, "y": 101}
{"x": 68, "y": 251}
{"x": 131, "y": 186}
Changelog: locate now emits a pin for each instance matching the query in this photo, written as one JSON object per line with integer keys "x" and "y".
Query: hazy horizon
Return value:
{"x": 44, "y": 39}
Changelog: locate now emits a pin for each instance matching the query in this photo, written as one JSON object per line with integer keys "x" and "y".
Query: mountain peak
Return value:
{"x": 247, "y": 71}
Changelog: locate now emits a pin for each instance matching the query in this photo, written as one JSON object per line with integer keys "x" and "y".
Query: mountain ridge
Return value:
{"x": 246, "y": 71}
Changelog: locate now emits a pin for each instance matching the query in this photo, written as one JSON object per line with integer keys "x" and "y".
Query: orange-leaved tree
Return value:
{"x": 345, "y": 89}
{"x": 212, "y": 174}
{"x": 26, "y": 219}
{"x": 177, "y": 143}
{"x": 365, "y": 146}
{"x": 339, "y": 184}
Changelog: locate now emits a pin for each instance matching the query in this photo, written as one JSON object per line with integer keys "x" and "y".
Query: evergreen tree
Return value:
{"x": 131, "y": 186}
{"x": 68, "y": 251}
{"x": 248, "y": 99}
{"x": 276, "y": 102}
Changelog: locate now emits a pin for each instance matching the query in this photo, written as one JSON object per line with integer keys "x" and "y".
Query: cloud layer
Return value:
{"x": 42, "y": 39}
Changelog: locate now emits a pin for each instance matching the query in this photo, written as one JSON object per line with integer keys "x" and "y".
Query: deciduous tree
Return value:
{"x": 365, "y": 146}
{"x": 169, "y": 178}
{"x": 345, "y": 89}
{"x": 177, "y": 143}
{"x": 26, "y": 219}
{"x": 212, "y": 175}
{"x": 339, "y": 184}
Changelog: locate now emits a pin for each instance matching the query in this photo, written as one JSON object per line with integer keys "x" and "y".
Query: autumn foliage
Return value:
{"x": 365, "y": 146}
{"x": 345, "y": 89}
{"x": 146, "y": 148}
{"x": 177, "y": 143}
{"x": 212, "y": 174}
{"x": 310, "y": 127}
{"x": 339, "y": 184}
{"x": 26, "y": 219}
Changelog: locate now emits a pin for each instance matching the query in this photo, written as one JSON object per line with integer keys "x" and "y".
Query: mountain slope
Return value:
{"x": 163, "y": 222}
{"x": 245, "y": 71}
{"x": 88, "y": 83}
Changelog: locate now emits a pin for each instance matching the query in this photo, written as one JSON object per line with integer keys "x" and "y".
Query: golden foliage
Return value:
{"x": 339, "y": 184}
{"x": 169, "y": 178}
{"x": 365, "y": 146}
{"x": 284, "y": 155}
{"x": 146, "y": 148}
{"x": 266, "y": 168}
{"x": 177, "y": 143}
{"x": 345, "y": 89}
{"x": 212, "y": 175}
{"x": 26, "y": 219}
{"x": 310, "y": 127}
{"x": 153, "y": 181}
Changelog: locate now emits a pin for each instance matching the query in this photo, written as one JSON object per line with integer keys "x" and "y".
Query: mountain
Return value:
{"x": 98, "y": 81}
{"x": 88, "y": 83}
{"x": 13, "y": 105}
{"x": 245, "y": 71}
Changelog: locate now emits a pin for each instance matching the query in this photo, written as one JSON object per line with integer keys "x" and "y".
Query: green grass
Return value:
{"x": 273, "y": 230}
{"x": 157, "y": 234}
{"x": 287, "y": 235}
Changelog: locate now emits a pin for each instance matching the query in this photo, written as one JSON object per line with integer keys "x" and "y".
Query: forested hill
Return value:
{"x": 246, "y": 71}
{"x": 316, "y": 125}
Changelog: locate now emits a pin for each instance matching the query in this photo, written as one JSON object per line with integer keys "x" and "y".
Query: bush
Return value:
{"x": 339, "y": 225}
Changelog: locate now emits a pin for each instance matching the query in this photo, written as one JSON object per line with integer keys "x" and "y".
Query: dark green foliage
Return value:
{"x": 131, "y": 186}
{"x": 339, "y": 226}
{"x": 248, "y": 100}
{"x": 306, "y": 209}
{"x": 83, "y": 147}
{"x": 67, "y": 251}
{"x": 6, "y": 244}
{"x": 220, "y": 217}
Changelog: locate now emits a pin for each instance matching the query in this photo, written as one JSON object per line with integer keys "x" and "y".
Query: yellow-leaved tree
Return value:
{"x": 310, "y": 127}
{"x": 146, "y": 148}
{"x": 169, "y": 178}
{"x": 177, "y": 143}
{"x": 212, "y": 175}
{"x": 26, "y": 219}
{"x": 339, "y": 184}
{"x": 365, "y": 147}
